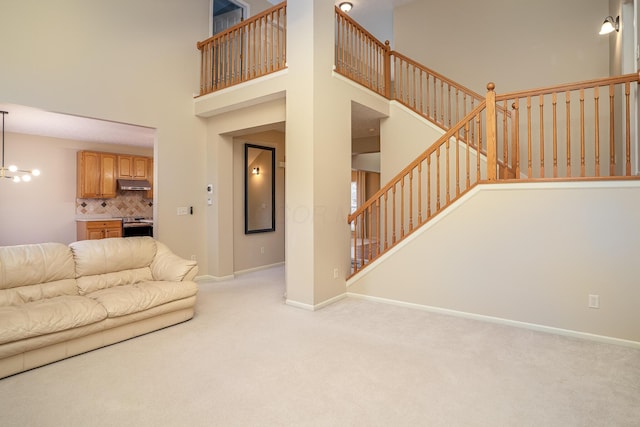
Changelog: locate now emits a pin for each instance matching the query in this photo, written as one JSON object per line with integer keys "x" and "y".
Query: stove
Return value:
{"x": 137, "y": 226}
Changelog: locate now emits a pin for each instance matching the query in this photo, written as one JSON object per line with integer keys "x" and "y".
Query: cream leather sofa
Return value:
{"x": 57, "y": 301}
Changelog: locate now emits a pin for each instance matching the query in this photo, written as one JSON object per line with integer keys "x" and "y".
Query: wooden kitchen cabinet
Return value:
{"x": 94, "y": 230}
{"x": 96, "y": 175}
{"x": 149, "y": 193}
{"x": 133, "y": 167}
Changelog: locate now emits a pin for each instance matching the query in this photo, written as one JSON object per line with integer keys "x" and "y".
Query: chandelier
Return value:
{"x": 12, "y": 172}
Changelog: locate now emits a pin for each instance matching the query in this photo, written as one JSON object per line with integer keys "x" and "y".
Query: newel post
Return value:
{"x": 387, "y": 70}
{"x": 492, "y": 145}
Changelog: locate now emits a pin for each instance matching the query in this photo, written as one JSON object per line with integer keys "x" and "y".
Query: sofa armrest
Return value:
{"x": 168, "y": 266}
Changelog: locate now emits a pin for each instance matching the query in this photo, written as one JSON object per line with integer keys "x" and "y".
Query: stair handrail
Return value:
{"x": 439, "y": 193}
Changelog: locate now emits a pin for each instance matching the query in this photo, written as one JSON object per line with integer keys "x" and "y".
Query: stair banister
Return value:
{"x": 492, "y": 144}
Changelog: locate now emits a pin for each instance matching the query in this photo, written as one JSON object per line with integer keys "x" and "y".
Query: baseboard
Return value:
{"x": 209, "y": 278}
{"x": 315, "y": 307}
{"x": 501, "y": 321}
{"x": 262, "y": 267}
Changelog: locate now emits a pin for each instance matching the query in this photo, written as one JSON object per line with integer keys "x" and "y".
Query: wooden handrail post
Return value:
{"x": 387, "y": 69}
{"x": 492, "y": 145}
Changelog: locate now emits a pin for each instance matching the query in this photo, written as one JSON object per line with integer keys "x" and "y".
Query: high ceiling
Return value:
{"x": 33, "y": 121}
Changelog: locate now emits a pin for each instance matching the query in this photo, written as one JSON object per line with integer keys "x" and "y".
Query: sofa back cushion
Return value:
{"x": 34, "y": 272}
{"x": 106, "y": 263}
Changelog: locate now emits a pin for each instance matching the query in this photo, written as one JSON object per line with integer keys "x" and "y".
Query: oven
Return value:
{"x": 137, "y": 227}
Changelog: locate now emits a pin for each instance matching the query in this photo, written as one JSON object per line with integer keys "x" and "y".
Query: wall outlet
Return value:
{"x": 335, "y": 273}
{"x": 193, "y": 258}
{"x": 261, "y": 249}
{"x": 594, "y": 301}
{"x": 183, "y": 210}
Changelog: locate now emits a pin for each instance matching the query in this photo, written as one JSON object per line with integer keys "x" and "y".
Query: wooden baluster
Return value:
{"x": 492, "y": 147}
{"x": 516, "y": 137}
{"x": 582, "y": 165}
{"x": 467, "y": 157}
{"x": 627, "y": 91}
{"x": 378, "y": 238}
{"x": 402, "y": 207}
{"x": 421, "y": 93}
{"x": 393, "y": 226}
{"x": 596, "y": 99}
{"x": 428, "y": 187}
{"x": 414, "y": 101}
{"x": 457, "y": 105}
{"x": 568, "y": 108}
{"x": 442, "y": 102}
{"x": 477, "y": 144}
{"x": 457, "y": 142}
{"x": 428, "y": 99}
{"x": 612, "y": 153}
{"x": 529, "y": 142}
{"x": 505, "y": 141}
{"x": 448, "y": 106}
{"x": 386, "y": 220}
{"x": 438, "y": 179}
{"x": 435, "y": 100}
{"x": 419, "y": 193}
{"x": 407, "y": 92}
{"x": 387, "y": 70}
{"x": 555, "y": 134}
{"x": 447, "y": 173}
{"x": 541, "y": 136}
{"x": 362, "y": 248}
{"x": 354, "y": 267}
{"x": 411, "y": 200}
{"x": 370, "y": 224}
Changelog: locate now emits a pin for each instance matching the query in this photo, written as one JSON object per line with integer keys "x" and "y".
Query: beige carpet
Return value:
{"x": 247, "y": 359}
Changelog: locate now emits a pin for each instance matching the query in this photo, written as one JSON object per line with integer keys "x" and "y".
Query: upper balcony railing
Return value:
{"x": 248, "y": 50}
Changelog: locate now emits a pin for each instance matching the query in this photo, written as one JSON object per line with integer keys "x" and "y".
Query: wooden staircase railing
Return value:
{"x": 581, "y": 133}
{"x": 248, "y": 50}
{"x": 438, "y": 177}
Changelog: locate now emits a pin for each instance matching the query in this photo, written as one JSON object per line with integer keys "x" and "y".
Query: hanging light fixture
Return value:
{"x": 12, "y": 172}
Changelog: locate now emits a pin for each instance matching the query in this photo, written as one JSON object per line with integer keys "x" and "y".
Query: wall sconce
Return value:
{"x": 345, "y": 6}
{"x": 255, "y": 171}
{"x": 609, "y": 25}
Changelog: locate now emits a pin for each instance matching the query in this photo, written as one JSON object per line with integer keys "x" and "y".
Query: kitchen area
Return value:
{"x": 114, "y": 195}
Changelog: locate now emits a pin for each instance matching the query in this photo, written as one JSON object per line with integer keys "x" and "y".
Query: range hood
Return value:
{"x": 134, "y": 184}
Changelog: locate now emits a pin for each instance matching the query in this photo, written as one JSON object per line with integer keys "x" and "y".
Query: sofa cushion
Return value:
{"x": 123, "y": 300}
{"x": 48, "y": 316}
{"x": 24, "y": 265}
{"x": 33, "y": 272}
{"x": 88, "y": 284}
{"x": 25, "y": 294}
{"x": 112, "y": 255}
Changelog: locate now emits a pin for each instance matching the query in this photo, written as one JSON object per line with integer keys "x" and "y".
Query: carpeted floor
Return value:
{"x": 247, "y": 359}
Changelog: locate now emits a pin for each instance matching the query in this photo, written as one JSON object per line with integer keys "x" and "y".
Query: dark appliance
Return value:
{"x": 137, "y": 226}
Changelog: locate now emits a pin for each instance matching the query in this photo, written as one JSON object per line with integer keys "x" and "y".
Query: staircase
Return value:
{"x": 573, "y": 132}
{"x": 576, "y": 131}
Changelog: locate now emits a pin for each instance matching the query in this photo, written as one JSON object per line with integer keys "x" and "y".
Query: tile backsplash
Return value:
{"x": 127, "y": 203}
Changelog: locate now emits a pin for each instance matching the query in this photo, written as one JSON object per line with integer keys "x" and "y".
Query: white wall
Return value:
{"x": 44, "y": 210}
{"x": 528, "y": 253}
{"x": 131, "y": 62}
{"x": 516, "y": 44}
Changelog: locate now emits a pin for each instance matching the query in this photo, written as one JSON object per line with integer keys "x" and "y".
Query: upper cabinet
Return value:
{"x": 133, "y": 167}
{"x": 97, "y": 175}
